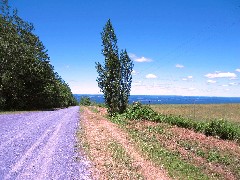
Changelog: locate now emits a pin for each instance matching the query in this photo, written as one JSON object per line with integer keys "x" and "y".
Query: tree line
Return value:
{"x": 27, "y": 79}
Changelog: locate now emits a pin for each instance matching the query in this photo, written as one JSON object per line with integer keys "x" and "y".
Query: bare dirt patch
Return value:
{"x": 100, "y": 134}
{"x": 218, "y": 158}
{"x": 138, "y": 149}
{"x": 213, "y": 153}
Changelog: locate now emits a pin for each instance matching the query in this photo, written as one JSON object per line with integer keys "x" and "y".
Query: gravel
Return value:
{"x": 41, "y": 145}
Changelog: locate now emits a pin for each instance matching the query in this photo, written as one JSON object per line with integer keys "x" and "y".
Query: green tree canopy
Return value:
{"x": 114, "y": 77}
{"x": 27, "y": 79}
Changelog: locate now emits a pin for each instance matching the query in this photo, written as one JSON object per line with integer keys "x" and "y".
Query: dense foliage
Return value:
{"x": 220, "y": 128}
{"x": 85, "y": 101}
{"x": 27, "y": 79}
{"x": 115, "y": 75}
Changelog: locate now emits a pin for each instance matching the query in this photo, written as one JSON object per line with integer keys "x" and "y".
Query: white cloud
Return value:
{"x": 151, "y": 76}
{"x": 211, "y": 81}
{"x": 233, "y": 84}
{"x": 225, "y": 85}
{"x": 221, "y": 75}
{"x": 238, "y": 70}
{"x": 187, "y": 78}
{"x": 179, "y": 66}
{"x": 138, "y": 83}
{"x": 134, "y": 72}
{"x": 191, "y": 89}
{"x": 139, "y": 59}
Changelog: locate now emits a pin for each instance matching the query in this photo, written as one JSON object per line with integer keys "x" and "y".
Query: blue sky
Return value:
{"x": 179, "y": 47}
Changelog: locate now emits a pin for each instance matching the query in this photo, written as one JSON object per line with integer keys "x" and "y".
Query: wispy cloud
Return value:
{"x": 137, "y": 83}
{"x": 221, "y": 75}
{"x": 187, "y": 78}
{"x": 134, "y": 72}
{"x": 211, "y": 81}
{"x": 151, "y": 76}
{"x": 238, "y": 70}
{"x": 139, "y": 59}
{"x": 179, "y": 66}
{"x": 233, "y": 84}
{"x": 191, "y": 89}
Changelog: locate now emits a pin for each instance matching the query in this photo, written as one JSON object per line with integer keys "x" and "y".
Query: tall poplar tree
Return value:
{"x": 114, "y": 78}
{"x": 126, "y": 79}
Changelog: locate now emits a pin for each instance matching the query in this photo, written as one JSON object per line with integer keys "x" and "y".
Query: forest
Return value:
{"x": 27, "y": 78}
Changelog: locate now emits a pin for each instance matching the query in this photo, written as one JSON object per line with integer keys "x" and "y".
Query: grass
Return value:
{"x": 146, "y": 140}
{"x": 155, "y": 142}
{"x": 171, "y": 161}
{"x": 188, "y": 158}
{"x": 119, "y": 154}
{"x": 121, "y": 158}
{"x": 109, "y": 157}
{"x": 169, "y": 147}
{"x": 94, "y": 109}
{"x": 215, "y": 127}
{"x": 230, "y": 112}
{"x": 82, "y": 144}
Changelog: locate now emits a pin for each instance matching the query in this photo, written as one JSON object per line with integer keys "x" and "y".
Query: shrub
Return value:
{"x": 85, "y": 101}
{"x": 200, "y": 126}
{"x": 140, "y": 112}
{"x": 101, "y": 105}
{"x": 180, "y": 121}
{"x": 221, "y": 128}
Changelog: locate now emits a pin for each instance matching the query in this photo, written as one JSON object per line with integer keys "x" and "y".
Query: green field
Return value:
{"x": 229, "y": 112}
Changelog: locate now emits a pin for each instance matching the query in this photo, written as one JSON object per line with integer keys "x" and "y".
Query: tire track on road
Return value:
{"x": 44, "y": 160}
{"x": 43, "y": 147}
{"x": 14, "y": 137}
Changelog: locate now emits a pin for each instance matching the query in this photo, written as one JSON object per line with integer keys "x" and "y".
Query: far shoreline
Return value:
{"x": 167, "y": 99}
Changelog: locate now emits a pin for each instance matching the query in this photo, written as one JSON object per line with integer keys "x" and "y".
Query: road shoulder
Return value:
{"x": 111, "y": 150}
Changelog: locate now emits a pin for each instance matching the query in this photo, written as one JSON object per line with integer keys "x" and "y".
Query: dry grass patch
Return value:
{"x": 139, "y": 149}
{"x": 112, "y": 152}
{"x": 193, "y": 155}
{"x": 229, "y": 112}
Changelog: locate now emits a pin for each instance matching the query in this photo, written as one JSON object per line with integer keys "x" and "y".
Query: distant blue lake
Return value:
{"x": 154, "y": 99}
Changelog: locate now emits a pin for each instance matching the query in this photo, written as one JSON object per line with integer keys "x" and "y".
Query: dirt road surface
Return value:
{"x": 41, "y": 145}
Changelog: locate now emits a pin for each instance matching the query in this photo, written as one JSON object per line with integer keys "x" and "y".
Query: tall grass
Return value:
{"x": 203, "y": 112}
{"x": 214, "y": 127}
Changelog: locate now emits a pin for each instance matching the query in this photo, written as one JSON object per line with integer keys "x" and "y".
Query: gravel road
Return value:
{"x": 41, "y": 145}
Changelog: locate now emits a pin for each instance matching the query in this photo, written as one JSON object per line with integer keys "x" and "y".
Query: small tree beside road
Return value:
{"x": 114, "y": 77}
